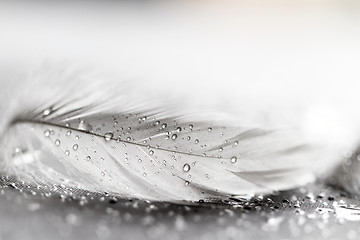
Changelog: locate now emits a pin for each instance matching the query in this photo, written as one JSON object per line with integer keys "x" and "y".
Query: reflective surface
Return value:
{"x": 314, "y": 212}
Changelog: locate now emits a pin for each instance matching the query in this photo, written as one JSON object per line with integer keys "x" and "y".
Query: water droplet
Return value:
{"x": 186, "y": 167}
{"x": 209, "y": 129}
{"x": 191, "y": 127}
{"x": 128, "y": 139}
{"x": 68, "y": 133}
{"x": 144, "y": 174}
{"x": 186, "y": 183}
{"x": 47, "y": 112}
{"x": 188, "y": 138}
{"x": 102, "y": 173}
{"x": 236, "y": 143}
{"x": 157, "y": 122}
{"x": 88, "y": 158}
{"x": 178, "y": 129}
{"x": 57, "y": 142}
{"x": 67, "y": 152}
{"x": 196, "y": 141}
{"x": 108, "y": 136}
{"x": 164, "y": 125}
{"x": 233, "y": 159}
{"x": 173, "y": 137}
{"x": 47, "y": 133}
{"x": 84, "y": 126}
{"x": 221, "y": 149}
{"x": 17, "y": 151}
{"x": 151, "y": 152}
{"x": 75, "y": 147}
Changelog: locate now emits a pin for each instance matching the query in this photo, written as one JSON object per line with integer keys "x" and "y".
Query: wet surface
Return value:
{"x": 316, "y": 211}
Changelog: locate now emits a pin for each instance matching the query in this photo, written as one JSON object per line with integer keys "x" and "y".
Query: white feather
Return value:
{"x": 262, "y": 77}
{"x": 99, "y": 138}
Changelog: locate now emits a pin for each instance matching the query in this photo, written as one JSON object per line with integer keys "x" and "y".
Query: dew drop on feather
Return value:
{"x": 47, "y": 133}
{"x": 108, "y": 136}
{"x": 186, "y": 167}
{"x": 47, "y": 112}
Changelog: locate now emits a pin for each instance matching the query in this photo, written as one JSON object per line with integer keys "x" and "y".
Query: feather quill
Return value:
{"x": 76, "y": 133}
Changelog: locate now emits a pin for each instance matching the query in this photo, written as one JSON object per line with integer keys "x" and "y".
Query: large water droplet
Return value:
{"x": 108, "y": 136}
{"x": 75, "y": 147}
{"x": 57, "y": 142}
{"x": 67, "y": 152}
{"x": 174, "y": 137}
{"x": 186, "y": 167}
{"x": 84, "y": 126}
{"x": 233, "y": 159}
